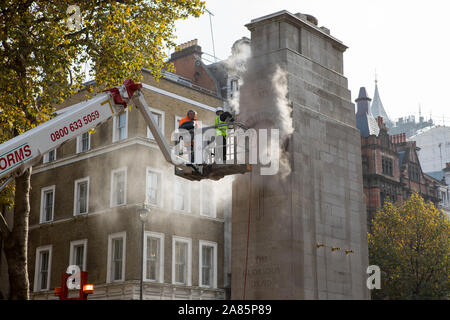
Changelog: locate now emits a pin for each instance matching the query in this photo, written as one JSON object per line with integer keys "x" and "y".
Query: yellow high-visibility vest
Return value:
{"x": 220, "y": 131}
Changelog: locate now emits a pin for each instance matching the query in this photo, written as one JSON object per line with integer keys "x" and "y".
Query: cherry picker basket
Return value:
{"x": 209, "y": 162}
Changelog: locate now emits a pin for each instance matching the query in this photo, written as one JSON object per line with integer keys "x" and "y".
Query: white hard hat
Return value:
{"x": 219, "y": 109}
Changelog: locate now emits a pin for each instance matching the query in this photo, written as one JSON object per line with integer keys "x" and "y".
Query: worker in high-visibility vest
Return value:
{"x": 189, "y": 123}
{"x": 221, "y": 132}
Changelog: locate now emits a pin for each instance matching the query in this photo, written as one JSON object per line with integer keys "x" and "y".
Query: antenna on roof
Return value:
{"x": 212, "y": 33}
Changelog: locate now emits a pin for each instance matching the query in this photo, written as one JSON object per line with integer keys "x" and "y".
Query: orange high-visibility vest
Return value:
{"x": 186, "y": 119}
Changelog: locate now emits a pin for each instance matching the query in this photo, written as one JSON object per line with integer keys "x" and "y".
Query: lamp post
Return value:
{"x": 143, "y": 214}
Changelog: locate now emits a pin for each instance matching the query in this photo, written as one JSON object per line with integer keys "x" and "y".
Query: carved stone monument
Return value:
{"x": 303, "y": 234}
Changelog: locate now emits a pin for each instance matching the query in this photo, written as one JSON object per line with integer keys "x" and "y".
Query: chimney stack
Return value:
{"x": 188, "y": 44}
{"x": 398, "y": 138}
{"x": 187, "y": 49}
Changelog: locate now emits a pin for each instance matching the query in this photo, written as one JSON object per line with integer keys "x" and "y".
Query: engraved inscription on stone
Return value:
{"x": 261, "y": 274}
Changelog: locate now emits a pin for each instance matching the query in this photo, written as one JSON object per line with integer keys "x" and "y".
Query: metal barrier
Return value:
{"x": 212, "y": 165}
{"x": 213, "y": 152}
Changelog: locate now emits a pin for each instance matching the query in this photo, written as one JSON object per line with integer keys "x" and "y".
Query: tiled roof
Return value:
{"x": 365, "y": 121}
{"x": 438, "y": 175}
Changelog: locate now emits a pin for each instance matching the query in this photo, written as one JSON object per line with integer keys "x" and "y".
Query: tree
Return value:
{"x": 410, "y": 243}
{"x": 43, "y": 48}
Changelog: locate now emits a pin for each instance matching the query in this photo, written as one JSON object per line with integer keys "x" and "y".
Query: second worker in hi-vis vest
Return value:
{"x": 221, "y": 134}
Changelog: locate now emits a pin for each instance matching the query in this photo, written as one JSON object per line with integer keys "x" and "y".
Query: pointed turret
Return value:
{"x": 377, "y": 108}
{"x": 365, "y": 121}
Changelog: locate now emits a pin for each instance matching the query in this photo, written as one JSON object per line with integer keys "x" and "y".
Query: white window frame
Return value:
{"x": 203, "y": 243}
{"x": 80, "y": 142}
{"x": 177, "y": 121}
{"x": 112, "y": 193}
{"x": 162, "y": 114}
{"x": 115, "y": 132}
{"x": 42, "y": 215}
{"x": 161, "y": 237}
{"x": 160, "y": 187}
{"x": 189, "y": 202}
{"x": 204, "y": 184}
{"x": 76, "y": 195}
{"x": 74, "y": 244}
{"x": 112, "y": 237}
{"x": 45, "y": 159}
{"x": 188, "y": 241}
{"x": 37, "y": 267}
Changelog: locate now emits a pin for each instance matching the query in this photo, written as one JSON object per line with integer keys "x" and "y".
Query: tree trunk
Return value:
{"x": 16, "y": 245}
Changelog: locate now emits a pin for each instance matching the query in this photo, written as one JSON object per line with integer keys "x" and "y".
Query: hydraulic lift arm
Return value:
{"x": 25, "y": 150}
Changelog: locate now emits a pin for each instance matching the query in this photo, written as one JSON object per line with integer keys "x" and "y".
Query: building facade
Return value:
{"x": 391, "y": 166}
{"x": 434, "y": 144}
{"x": 445, "y": 191}
{"x": 85, "y": 197}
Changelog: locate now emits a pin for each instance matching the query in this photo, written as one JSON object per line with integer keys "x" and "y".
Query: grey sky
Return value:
{"x": 406, "y": 42}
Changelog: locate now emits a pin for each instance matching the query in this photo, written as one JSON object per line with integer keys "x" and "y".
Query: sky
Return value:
{"x": 405, "y": 43}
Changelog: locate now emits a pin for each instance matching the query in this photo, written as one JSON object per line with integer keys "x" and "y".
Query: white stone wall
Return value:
{"x": 430, "y": 154}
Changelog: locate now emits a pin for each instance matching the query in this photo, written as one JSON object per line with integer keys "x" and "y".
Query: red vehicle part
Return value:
{"x": 85, "y": 288}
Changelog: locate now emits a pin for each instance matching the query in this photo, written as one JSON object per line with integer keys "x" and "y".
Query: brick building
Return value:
{"x": 189, "y": 65}
{"x": 391, "y": 167}
{"x": 85, "y": 196}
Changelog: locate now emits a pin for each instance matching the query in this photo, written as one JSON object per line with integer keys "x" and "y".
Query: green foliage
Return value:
{"x": 42, "y": 57}
{"x": 410, "y": 243}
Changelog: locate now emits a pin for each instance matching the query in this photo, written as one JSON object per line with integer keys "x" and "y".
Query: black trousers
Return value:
{"x": 221, "y": 141}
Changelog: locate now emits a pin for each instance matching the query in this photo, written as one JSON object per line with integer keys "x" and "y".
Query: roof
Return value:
{"x": 430, "y": 130}
{"x": 220, "y": 73}
{"x": 377, "y": 108}
{"x": 438, "y": 175}
{"x": 430, "y": 178}
{"x": 365, "y": 121}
